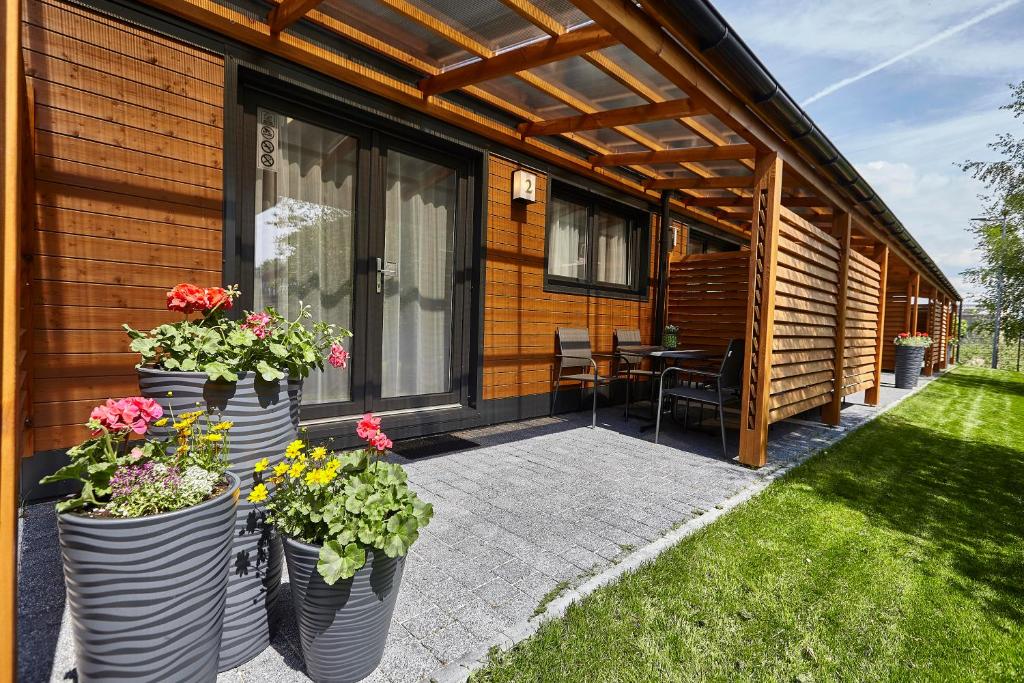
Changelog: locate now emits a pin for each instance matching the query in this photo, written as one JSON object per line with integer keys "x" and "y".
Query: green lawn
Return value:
{"x": 896, "y": 555}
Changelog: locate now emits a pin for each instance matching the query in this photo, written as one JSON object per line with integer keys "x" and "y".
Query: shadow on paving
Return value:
{"x": 960, "y": 497}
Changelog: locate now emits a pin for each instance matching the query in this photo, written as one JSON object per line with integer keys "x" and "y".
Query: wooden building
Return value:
{"x": 364, "y": 155}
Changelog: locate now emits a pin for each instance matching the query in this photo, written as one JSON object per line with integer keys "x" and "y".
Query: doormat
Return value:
{"x": 426, "y": 446}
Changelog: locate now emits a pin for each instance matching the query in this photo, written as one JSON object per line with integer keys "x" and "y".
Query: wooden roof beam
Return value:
{"x": 719, "y": 183}
{"x": 288, "y": 12}
{"x": 529, "y": 56}
{"x": 612, "y": 117}
{"x": 703, "y": 153}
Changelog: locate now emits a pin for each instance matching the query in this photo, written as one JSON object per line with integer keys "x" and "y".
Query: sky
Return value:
{"x": 906, "y": 89}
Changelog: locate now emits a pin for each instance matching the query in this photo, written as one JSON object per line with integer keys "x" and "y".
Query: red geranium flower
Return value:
{"x": 186, "y": 298}
{"x": 217, "y": 298}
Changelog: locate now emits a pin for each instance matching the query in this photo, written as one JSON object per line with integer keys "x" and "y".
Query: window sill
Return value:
{"x": 595, "y": 291}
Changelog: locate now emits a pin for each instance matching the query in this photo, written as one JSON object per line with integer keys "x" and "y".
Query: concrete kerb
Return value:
{"x": 458, "y": 671}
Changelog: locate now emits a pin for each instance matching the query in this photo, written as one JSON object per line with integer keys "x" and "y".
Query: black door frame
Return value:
{"x": 375, "y": 135}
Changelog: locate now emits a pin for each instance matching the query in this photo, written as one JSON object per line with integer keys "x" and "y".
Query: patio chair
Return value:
{"x": 630, "y": 362}
{"x": 574, "y": 353}
{"x": 713, "y": 388}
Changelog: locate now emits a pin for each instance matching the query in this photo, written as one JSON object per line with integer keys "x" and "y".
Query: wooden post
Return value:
{"x": 842, "y": 227}
{"x": 929, "y": 356}
{"x": 764, "y": 238}
{"x": 907, "y": 305}
{"x": 916, "y": 283}
{"x": 871, "y": 395}
{"x": 944, "y": 323}
{"x": 11, "y": 427}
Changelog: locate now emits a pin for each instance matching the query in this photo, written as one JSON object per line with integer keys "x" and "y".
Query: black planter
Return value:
{"x": 343, "y": 628}
{"x": 147, "y": 594}
{"x": 266, "y": 420}
{"x": 909, "y": 360}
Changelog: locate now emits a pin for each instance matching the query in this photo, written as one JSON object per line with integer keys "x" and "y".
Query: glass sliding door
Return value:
{"x": 417, "y": 275}
{"x": 305, "y": 194}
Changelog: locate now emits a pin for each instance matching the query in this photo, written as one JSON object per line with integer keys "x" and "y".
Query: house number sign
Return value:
{"x": 524, "y": 186}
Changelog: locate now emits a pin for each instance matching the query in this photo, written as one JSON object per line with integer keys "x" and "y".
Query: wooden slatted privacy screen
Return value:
{"x": 895, "y": 322}
{"x": 862, "y": 286}
{"x": 937, "y": 331}
{"x": 707, "y": 299}
{"x": 129, "y": 136}
{"x": 806, "y": 315}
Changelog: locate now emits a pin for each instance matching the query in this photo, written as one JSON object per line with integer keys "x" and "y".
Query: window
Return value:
{"x": 701, "y": 243}
{"x": 595, "y": 246}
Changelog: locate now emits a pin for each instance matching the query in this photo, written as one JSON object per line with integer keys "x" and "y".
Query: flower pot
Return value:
{"x": 909, "y": 360}
{"x": 343, "y": 628}
{"x": 669, "y": 340}
{"x": 147, "y": 594}
{"x": 266, "y": 419}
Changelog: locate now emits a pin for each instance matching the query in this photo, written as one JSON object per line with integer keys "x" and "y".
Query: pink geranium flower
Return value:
{"x": 257, "y": 324}
{"x": 381, "y": 442}
{"x": 338, "y": 357}
{"x": 368, "y": 427}
{"x": 127, "y": 414}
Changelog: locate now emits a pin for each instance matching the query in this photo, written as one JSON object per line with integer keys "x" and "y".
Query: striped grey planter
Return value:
{"x": 147, "y": 594}
{"x": 909, "y": 360}
{"x": 343, "y": 628}
{"x": 266, "y": 417}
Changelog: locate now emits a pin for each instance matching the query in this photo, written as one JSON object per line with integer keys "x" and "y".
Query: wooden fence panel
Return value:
{"x": 863, "y": 283}
{"x": 806, "y": 316}
{"x": 707, "y": 299}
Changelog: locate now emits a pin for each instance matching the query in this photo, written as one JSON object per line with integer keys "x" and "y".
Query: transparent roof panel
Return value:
{"x": 374, "y": 18}
{"x": 518, "y": 92}
{"x": 581, "y": 79}
{"x": 490, "y": 22}
{"x": 564, "y": 12}
{"x": 612, "y": 140}
{"x": 671, "y": 133}
{"x": 719, "y": 129}
{"x": 643, "y": 72}
{"x": 726, "y": 168}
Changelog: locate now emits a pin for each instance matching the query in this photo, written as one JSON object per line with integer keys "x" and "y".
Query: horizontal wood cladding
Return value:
{"x": 863, "y": 282}
{"x": 806, "y": 317}
{"x": 520, "y": 318}
{"x": 897, "y": 311}
{"x": 707, "y": 299}
{"x": 128, "y": 199}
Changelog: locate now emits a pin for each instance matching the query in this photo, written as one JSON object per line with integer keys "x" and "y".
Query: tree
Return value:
{"x": 1001, "y": 240}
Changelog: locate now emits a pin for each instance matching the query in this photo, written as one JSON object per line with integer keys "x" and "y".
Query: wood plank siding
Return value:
{"x": 861, "y": 323}
{"x": 128, "y": 184}
{"x": 520, "y": 317}
{"x": 707, "y": 299}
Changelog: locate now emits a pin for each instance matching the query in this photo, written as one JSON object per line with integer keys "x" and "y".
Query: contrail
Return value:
{"x": 949, "y": 32}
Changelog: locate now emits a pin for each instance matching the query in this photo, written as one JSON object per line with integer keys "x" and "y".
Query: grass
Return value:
{"x": 898, "y": 555}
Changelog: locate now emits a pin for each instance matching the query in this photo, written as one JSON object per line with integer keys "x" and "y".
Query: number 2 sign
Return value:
{"x": 524, "y": 186}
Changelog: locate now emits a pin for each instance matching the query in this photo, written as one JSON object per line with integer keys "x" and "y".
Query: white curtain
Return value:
{"x": 419, "y": 243}
{"x": 567, "y": 239}
{"x": 611, "y": 234}
{"x": 304, "y": 234}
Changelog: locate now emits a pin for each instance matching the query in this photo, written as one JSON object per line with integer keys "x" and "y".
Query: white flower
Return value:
{"x": 197, "y": 481}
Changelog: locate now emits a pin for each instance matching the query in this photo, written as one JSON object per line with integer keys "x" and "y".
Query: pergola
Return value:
{"x": 630, "y": 96}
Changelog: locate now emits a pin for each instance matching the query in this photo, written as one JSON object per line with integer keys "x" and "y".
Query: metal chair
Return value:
{"x": 574, "y": 353}
{"x": 631, "y": 361}
{"x": 714, "y": 388}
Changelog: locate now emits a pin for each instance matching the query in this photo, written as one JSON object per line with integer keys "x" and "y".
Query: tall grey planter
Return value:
{"x": 266, "y": 419}
{"x": 147, "y": 594}
{"x": 343, "y": 628}
{"x": 909, "y": 360}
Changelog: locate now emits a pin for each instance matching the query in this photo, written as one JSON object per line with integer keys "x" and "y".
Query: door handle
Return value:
{"x": 388, "y": 268}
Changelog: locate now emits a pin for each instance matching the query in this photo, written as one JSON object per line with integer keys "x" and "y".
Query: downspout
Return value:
{"x": 664, "y": 247}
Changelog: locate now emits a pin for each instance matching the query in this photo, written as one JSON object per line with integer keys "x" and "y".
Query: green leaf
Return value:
{"x": 340, "y": 562}
{"x": 421, "y": 510}
{"x": 240, "y": 337}
{"x": 171, "y": 364}
{"x": 217, "y": 370}
{"x": 268, "y": 372}
{"x": 279, "y": 350}
{"x": 188, "y": 365}
{"x": 404, "y": 532}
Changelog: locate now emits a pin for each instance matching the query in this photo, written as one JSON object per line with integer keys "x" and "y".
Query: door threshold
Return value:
{"x": 384, "y": 413}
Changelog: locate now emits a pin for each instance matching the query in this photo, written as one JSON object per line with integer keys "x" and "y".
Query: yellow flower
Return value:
{"x": 259, "y": 494}
{"x": 294, "y": 448}
{"x": 280, "y": 469}
{"x": 318, "y": 453}
{"x": 214, "y": 437}
{"x": 161, "y": 422}
{"x": 261, "y": 465}
{"x": 296, "y": 470}
{"x": 222, "y": 426}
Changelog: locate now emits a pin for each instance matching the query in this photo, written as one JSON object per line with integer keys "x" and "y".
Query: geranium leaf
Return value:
{"x": 339, "y": 561}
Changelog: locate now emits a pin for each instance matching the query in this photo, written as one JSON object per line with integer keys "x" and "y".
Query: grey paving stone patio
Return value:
{"x": 540, "y": 504}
